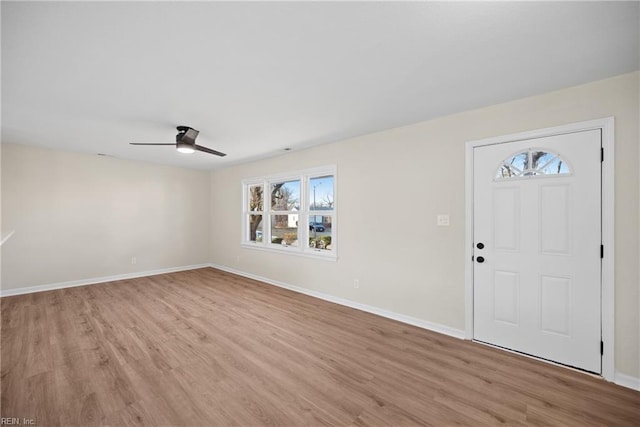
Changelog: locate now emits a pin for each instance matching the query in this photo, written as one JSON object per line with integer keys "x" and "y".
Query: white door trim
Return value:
{"x": 608, "y": 313}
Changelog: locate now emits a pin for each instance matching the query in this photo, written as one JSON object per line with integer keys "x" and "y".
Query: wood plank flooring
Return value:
{"x": 208, "y": 348}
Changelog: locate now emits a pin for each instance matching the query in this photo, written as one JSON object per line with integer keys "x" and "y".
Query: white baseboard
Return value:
{"x": 95, "y": 280}
{"x": 627, "y": 381}
{"x": 435, "y": 327}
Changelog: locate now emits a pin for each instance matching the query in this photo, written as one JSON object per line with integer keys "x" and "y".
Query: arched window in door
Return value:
{"x": 532, "y": 163}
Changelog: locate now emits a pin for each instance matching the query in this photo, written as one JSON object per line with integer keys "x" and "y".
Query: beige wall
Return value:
{"x": 392, "y": 184}
{"x": 2, "y": 230}
{"x": 78, "y": 216}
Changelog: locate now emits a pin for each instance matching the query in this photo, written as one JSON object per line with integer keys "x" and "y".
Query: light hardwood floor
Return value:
{"x": 206, "y": 348}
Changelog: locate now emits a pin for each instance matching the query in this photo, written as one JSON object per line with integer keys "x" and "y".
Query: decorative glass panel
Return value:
{"x": 285, "y": 196}
{"x": 533, "y": 162}
{"x": 555, "y": 166}
{"x": 507, "y": 171}
{"x": 519, "y": 162}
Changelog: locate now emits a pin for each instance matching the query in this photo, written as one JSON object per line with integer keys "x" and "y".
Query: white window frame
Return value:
{"x": 303, "y": 249}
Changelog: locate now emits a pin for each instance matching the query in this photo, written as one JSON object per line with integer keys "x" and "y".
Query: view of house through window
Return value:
{"x": 292, "y": 212}
{"x": 285, "y": 205}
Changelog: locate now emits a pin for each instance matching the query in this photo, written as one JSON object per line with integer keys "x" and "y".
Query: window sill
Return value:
{"x": 293, "y": 250}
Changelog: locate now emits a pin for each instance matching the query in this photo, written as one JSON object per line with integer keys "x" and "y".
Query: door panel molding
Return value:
{"x": 606, "y": 126}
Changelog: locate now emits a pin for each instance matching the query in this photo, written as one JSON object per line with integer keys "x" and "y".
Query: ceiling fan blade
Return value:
{"x": 152, "y": 143}
{"x": 209, "y": 150}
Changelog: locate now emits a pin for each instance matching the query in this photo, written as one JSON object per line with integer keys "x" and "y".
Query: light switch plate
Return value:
{"x": 443, "y": 220}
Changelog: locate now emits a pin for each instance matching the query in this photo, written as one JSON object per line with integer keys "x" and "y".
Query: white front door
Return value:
{"x": 537, "y": 253}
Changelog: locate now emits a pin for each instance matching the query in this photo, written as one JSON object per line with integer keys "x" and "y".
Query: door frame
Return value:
{"x": 608, "y": 215}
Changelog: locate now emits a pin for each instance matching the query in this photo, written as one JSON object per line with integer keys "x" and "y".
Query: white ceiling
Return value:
{"x": 256, "y": 78}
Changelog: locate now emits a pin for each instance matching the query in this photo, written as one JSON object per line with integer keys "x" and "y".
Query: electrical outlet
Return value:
{"x": 237, "y": 258}
{"x": 133, "y": 260}
{"x": 356, "y": 283}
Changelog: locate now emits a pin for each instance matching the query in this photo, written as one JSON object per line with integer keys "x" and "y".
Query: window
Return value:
{"x": 293, "y": 213}
{"x": 285, "y": 212}
{"x": 531, "y": 163}
{"x": 255, "y": 206}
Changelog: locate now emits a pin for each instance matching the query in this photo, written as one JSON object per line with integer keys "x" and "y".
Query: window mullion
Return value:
{"x": 266, "y": 217}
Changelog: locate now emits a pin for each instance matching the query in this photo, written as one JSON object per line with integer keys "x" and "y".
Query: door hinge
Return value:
{"x": 601, "y": 251}
{"x": 473, "y": 258}
{"x": 601, "y": 348}
{"x": 602, "y": 154}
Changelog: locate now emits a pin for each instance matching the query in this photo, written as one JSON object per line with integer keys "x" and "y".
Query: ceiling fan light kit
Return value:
{"x": 185, "y": 148}
{"x": 185, "y": 142}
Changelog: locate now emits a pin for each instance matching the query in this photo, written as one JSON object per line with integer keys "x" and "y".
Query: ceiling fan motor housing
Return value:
{"x": 186, "y": 135}
{"x": 182, "y": 132}
{"x": 186, "y": 139}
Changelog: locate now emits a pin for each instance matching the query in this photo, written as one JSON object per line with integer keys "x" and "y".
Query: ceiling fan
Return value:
{"x": 185, "y": 142}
